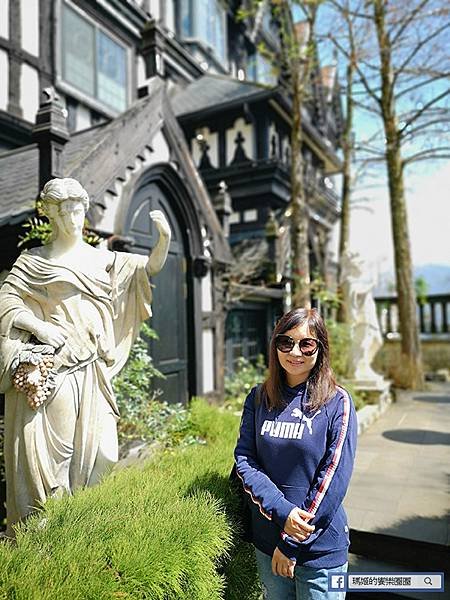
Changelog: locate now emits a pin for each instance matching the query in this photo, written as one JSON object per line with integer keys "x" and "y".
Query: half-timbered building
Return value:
{"x": 168, "y": 104}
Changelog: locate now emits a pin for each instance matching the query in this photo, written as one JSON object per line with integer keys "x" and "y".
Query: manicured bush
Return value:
{"x": 164, "y": 530}
{"x": 239, "y": 383}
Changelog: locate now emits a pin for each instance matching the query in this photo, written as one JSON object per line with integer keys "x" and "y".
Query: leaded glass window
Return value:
{"x": 204, "y": 20}
{"x": 92, "y": 61}
{"x": 111, "y": 72}
{"x": 186, "y": 17}
{"x": 78, "y": 49}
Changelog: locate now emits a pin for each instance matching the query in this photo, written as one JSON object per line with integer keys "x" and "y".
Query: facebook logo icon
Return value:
{"x": 337, "y": 581}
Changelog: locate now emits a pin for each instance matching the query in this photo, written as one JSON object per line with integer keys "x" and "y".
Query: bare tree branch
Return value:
{"x": 417, "y": 48}
{"x": 413, "y": 132}
{"x": 424, "y": 108}
{"x": 406, "y": 23}
{"x": 414, "y": 87}
{"x": 362, "y": 76}
{"x": 434, "y": 153}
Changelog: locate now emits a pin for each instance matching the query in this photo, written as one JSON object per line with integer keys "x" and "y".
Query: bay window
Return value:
{"x": 205, "y": 20}
{"x": 92, "y": 61}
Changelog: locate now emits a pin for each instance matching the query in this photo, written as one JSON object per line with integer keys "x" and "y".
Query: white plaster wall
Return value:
{"x": 4, "y": 80}
{"x": 84, "y": 120}
{"x": 114, "y": 217}
{"x": 212, "y": 139}
{"x": 140, "y": 71}
{"x": 250, "y": 215}
{"x": 206, "y": 293}
{"x": 161, "y": 151}
{"x": 29, "y": 92}
{"x": 285, "y": 143}
{"x": 235, "y": 217}
{"x": 29, "y": 24}
{"x": 208, "y": 360}
{"x": 4, "y": 18}
{"x": 247, "y": 132}
{"x": 155, "y": 9}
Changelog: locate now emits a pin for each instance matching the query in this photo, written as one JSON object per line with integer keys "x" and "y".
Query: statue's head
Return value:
{"x": 65, "y": 203}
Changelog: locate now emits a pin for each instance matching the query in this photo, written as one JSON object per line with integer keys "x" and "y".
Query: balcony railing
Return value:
{"x": 433, "y": 315}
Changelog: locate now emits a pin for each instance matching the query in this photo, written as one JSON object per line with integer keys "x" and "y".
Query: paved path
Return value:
{"x": 401, "y": 480}
{"x": 400, "y": 488}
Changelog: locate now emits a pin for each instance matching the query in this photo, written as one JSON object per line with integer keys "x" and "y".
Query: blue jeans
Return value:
{"x": 308, "y": 583}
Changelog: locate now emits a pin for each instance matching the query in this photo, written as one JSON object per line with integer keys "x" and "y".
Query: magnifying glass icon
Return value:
{"x": 428, "y": 581}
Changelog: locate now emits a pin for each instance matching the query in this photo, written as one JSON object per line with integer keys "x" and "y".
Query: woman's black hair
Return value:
{"x": 321, "y": 383}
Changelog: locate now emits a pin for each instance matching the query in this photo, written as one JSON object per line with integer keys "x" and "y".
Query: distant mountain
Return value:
{"x": 437, "y": 278}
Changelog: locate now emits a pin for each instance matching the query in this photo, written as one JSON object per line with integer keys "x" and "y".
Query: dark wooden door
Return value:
{"x": 169, "y": 318}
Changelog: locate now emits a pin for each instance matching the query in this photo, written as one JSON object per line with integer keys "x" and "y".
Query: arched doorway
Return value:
{"x": 169, "y": 306}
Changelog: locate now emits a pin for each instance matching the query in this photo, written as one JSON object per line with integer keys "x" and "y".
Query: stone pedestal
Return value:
{"x": 377, "y": 395}
{"x": 374, "y": 390}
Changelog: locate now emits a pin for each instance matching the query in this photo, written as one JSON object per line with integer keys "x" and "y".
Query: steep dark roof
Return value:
{"x": 19, "y": 183}
{"x": 213, "y": 92}
{"x": 101, "y": 155}
{"x": 111, "y": 146}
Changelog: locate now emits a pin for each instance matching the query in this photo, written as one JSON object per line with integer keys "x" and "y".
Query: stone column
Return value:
{"x": 51, "y": 135}
{"x": 222, "y": 206}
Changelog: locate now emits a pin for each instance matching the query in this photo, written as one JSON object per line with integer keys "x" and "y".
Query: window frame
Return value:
{"x": 194, "y": 8}
{"x": 72, "y": 90}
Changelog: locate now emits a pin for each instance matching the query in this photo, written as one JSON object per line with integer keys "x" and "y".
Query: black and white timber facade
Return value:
{"x": 168, "y": 104}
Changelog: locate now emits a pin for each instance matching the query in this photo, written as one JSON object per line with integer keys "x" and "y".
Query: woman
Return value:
{"x": 87, "y": 304}
{"x": 295, "y": 457}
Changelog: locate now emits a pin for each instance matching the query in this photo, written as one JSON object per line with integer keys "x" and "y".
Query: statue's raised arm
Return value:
{"x": 69, "y": 314}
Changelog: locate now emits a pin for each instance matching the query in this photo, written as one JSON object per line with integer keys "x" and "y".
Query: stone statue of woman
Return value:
{"x": 69, "y": 314}
{"x": 366, "y": 336}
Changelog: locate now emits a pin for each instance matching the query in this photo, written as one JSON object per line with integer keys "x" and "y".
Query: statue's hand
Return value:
{"x": 162, "y": 224}
{"x": 47, "y": 333}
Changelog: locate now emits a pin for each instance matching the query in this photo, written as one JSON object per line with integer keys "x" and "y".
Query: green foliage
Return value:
{"x": 164, "y": 531}
{"x": 239, "y": 383}
{"x": 340, "y": 343}
{"x": 339, "y": 340}
{"x": 143, "y": 415}
{"x": 322, "y": 293}
{"x": 40, "y": 229}
{"x": 132, "y": 385}
{"x": 421, "y": 288}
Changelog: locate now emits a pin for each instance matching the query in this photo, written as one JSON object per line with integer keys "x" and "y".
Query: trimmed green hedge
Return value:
{"x": 164, "y": 530}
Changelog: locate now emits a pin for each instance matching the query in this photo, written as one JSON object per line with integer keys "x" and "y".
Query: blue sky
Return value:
{"x": 427, "y": 183}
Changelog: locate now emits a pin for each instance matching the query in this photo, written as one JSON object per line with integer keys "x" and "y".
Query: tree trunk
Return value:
{"x": 299, "y": 213}
{"x": 411, "y": 363}
{"x": 347, "y": 147}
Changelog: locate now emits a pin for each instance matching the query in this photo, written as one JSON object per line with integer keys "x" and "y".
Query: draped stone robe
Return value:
{"x": 53, "y": 450}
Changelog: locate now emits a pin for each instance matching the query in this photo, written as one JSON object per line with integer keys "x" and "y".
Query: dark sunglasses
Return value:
{"x": 307, "y": 346}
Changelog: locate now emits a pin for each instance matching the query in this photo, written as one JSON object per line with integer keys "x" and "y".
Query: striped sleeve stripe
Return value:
{"x": 254, "y": 499}
{"x": 336, "y": 456}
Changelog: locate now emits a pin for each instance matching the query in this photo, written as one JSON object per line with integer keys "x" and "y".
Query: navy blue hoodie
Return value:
{"x": 294, "y": 457}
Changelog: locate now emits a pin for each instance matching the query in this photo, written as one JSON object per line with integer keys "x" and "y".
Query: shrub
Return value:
{"x": 143, "y": 415}
{"x": 340, "y": 343}
{"x": 239, "y": 383}
{"x": 162, "y": 531}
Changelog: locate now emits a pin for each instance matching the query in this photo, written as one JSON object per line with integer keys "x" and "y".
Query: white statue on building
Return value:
{"x": 69, "y": 314}
{"x": 366, "y": 339}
